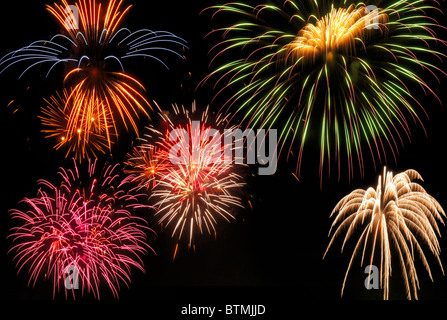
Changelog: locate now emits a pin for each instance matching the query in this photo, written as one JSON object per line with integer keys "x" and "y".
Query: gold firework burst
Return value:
{"x": 337, "y": 31}
{"x": 399, "y": 214}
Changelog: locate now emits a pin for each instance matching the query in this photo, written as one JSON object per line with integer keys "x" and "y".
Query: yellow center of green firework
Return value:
{"x": 335, "y": 32}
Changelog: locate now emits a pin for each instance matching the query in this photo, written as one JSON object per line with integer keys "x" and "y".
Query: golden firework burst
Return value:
{"x": 398, "y": 214}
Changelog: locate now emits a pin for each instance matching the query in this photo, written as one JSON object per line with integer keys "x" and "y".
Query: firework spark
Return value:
{"x": 399, "y": 213}
{"x": 93, "y": 52}
{"x": 193, "y": 194}
{"x": 86, "y": 224}
{"x": 147, "y": 164}
{"x": 338, "y": 70}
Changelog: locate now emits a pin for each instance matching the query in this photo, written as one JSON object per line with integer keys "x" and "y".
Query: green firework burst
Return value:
{"x": 339, "y": 74}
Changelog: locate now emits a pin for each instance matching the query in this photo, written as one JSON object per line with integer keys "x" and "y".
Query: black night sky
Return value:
{"x": 272, "y": 254}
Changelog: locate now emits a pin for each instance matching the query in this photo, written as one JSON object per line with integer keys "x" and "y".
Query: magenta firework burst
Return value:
{"x": 82, "y": 230}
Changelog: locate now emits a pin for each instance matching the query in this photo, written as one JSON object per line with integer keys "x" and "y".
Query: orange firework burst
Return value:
{"x": 118, "y": 93}
{"x": 93, "y": 47}
{"x": 87, "y": 140}
{"x": 146, "y": 165}
{"x": 399, "y": 213}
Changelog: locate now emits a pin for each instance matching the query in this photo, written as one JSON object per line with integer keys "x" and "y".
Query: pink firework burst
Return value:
{"x": 84, "y": 226}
